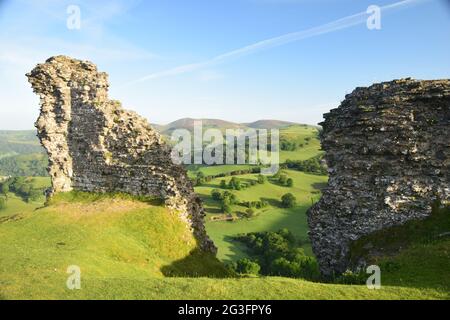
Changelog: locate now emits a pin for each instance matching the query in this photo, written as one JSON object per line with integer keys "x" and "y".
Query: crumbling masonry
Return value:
{"x": 95, "y": 145}
{"x": 388, "y": 152}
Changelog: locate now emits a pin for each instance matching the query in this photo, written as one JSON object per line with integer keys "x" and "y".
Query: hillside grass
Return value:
{"x": 16, "y": 206}
{"x": 300, "y": 134}
{"x": 409, "y": 249}
{"x": 130, "y": 249}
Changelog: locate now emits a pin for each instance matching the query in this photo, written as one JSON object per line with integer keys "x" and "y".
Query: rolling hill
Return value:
{"x": 18, "y": 142}
{"x": 188, "y": 123}
{"x": 269, "y": 124}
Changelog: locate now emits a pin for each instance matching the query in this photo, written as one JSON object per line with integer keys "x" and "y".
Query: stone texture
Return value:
{"x": 95, "y": 145}
{"x": 388, "y": 152}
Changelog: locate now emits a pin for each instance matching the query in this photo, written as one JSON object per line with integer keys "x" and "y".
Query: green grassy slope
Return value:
{"x": 128, "y": 249}
{"x": 306, "y": 135}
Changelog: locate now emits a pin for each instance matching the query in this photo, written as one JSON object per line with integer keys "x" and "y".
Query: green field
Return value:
{"x": 271, "y": 218}
{"x": 300, "y": 134}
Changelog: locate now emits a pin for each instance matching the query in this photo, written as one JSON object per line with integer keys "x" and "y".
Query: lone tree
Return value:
{"x": 283, "y": 179}
{"x": 200, "y": 179}
{"x": 262, "y": 179}
{"x": 216, "y": 195}
{"x": 288, "y": 200}
{"x": 250, "y": 212}
{"x": 4, "y": 189}
{"x": 290, "y": 182}
{"x": 2, "y": 202}
{"x": 226, "y": 208}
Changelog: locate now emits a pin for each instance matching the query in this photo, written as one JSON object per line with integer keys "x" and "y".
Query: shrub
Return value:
{"x": 223, "y": 184}
{"x": 3, "y": 202}
{"x": 313, "y": 165}
{"x": 4, "y": 188}
{"x": 262, "y": 179}
{"x": 351, "y": 277}
{"x": 246, "y": 266}
{"x": 229, "y": 198}
{"x": 282, "y": 179}
{"x": 226, "y": 208}
{"x": 290, "y": 182}
{"x": 216, "y": 195}
{"x": 249, "y": 213}
{"x": 235, "y": 184}
{"x": 200, "y": 178}
{"x": 288, "y": 200}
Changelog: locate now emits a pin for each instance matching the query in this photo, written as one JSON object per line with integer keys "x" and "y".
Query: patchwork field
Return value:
{"x": 271, "y": 218}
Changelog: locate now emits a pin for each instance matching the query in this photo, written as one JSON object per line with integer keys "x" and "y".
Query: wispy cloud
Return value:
{"x": 333, "y": 26}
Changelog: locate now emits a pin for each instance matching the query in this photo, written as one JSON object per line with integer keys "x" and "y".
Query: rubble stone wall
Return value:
{"x": 388, "y": 152}
{"x": 95, "y": 145}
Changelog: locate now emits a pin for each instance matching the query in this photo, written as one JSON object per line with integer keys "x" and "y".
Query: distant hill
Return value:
{"x": 188, "y": 123}
{"x": 14, "y": 143}
{"x": 22, "y": 155}
{"x": 270, "y": 124}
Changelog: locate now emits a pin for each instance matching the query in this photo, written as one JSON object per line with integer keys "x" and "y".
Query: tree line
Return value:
{"x": 22, "y": 187}
{"x": 275, "y": 254}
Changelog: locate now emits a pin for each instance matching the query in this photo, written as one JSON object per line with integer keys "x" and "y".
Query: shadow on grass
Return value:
{"x": 214, "y": 210}
{"x": 210, "y": 185}
{"x": 414, "y": 254}
{"x": 197, "y": 264}
{"x": 238, "y": 249}
{"x": 319, "y": 185}
{"x": 272, "y": 202}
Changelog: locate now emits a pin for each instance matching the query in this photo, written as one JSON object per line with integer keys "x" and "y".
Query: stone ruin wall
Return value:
{"x": 94, "y": 145}
{"x": 388, "y": 152}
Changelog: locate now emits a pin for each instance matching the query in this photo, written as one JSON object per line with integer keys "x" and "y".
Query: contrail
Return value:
{"x": 336, "y": 25}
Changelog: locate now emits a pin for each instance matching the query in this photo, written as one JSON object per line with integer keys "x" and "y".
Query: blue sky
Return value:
{"x": 161, "y": 55}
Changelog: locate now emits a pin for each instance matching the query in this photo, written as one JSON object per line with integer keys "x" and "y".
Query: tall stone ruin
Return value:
{"x": 388, "y": 152}
{"x": 94, "y": 145}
